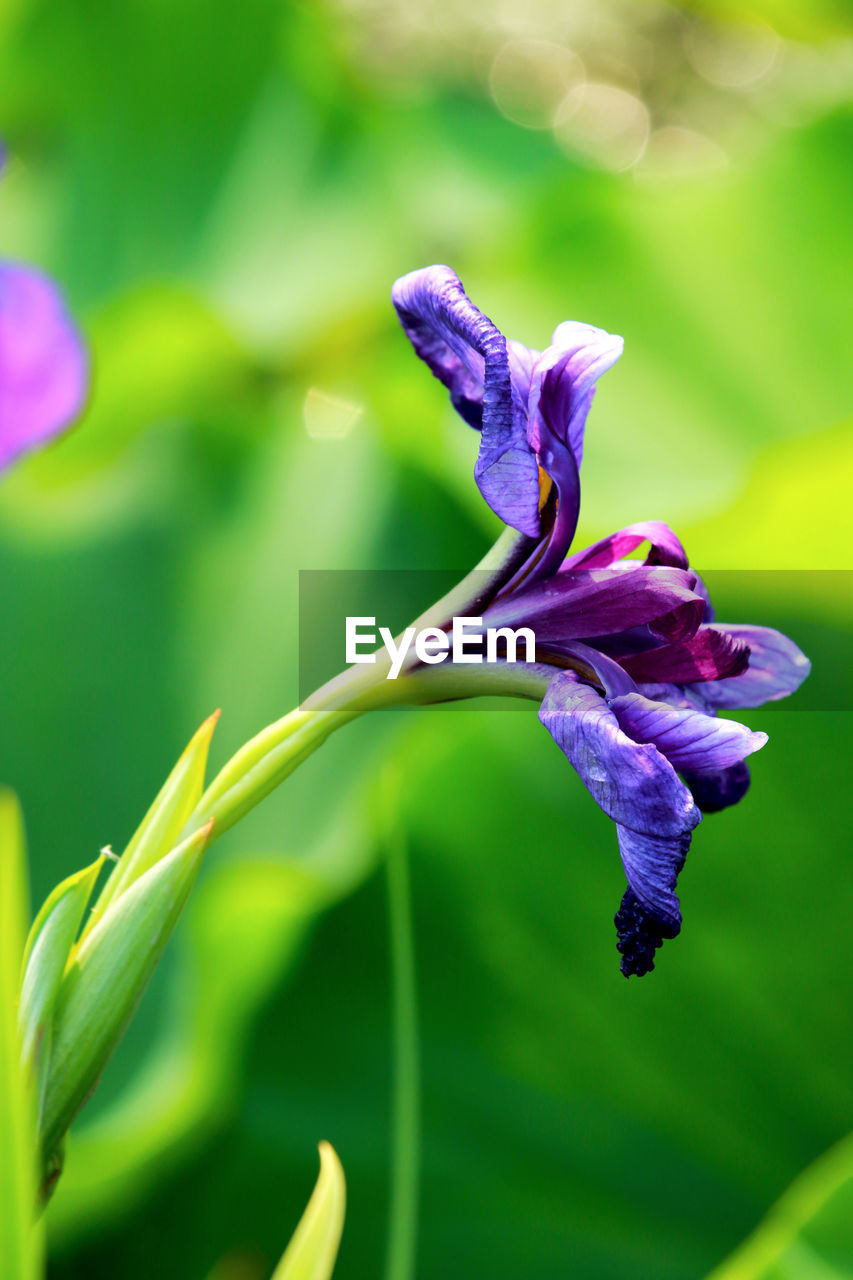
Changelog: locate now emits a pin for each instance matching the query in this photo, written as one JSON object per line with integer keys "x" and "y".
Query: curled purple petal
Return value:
{"x": 43, "y": 362}
{"x": 710, "y": 655}
{"x": 632, "y": 782}
{"x": 665, "y": 547}
{"x": 777, "y": 668}
{"x": 468, "y": 353}
{"x": 564, "y": 379}
{"x": 594, "y": 666}
{"x": 689, "y": 739}
{"x": 594, "y": 602}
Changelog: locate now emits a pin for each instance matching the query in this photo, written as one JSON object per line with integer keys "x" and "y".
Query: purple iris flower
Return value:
{"x": 44, "y": 368}
{"x": 640, "y": 667}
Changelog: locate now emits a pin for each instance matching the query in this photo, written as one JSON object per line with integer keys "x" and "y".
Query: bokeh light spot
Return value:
{"x": 328, "y": 417}
{"x": 530, "y": 78}
{"x": 608, "y": 125}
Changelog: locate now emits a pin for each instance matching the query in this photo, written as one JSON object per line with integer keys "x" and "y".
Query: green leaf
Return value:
{"x": 106, "y": 979}
{"x": 20, "y": 1245}
{"x": 313, "y": 1249}
{"x": 46, "y": 956}
{"x": 808, "y": 1234}
{"x": 244, "y": 926}
{"x": 164, "y": 821}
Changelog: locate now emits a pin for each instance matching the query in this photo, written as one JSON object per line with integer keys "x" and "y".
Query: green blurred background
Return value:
{"x": 227, "y": 193}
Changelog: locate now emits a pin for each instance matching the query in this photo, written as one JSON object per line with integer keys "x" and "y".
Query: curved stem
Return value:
{"x": 274, "y": 753}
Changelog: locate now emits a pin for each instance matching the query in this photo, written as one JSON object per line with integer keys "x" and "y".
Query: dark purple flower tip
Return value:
{"x": 717, "y": 790}
{"x": 638, "y": 936}
{"x": 44, "y": 368}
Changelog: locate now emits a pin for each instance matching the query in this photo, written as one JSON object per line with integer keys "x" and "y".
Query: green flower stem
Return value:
{"x": 273, "y": 754}
{"x": 270, "y": 757}
{"x": 405, "y": 1172}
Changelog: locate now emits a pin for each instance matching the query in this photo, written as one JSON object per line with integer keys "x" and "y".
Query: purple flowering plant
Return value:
{"x": 631, "y": 665}
{"x": 629, "y": 668}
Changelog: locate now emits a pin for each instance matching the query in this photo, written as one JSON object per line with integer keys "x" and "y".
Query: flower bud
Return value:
{"x": 46, "y": 956}
{"x": 106, "y": 978}
{"x": 162, "y": 825}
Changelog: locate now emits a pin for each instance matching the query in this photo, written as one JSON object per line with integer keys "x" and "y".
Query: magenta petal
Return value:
{"x": 468, "y": 353}
{"x": 665, "y": 547}
{"x": 710, "y": 655}
{"x": 689, "y": 739}
{"x": 43, "y": 362}
{"x": 598, "y": 602}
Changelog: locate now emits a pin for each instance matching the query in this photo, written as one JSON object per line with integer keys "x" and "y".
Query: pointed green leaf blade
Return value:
{"x": 20, "y": 1250}
{"x": 106, "y": 979}
{"x": 46, "y": 955}
{"x": 313, "y": 1250}
{"x": 808, "y": 1234}
{"x": 162, "y": 825}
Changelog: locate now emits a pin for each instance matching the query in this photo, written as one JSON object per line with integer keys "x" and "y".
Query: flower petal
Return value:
{"x": 468, "y": 353}
{"x": 715, "y": 791}
{"x": 595, "y": 602}
{"x": 665, "y": 547}
{"x": 652, "y": 864}
{"x": 43, "y": 362}
{"x": 564, "y": 379}
{"x": 632, "y": 782}
{"x": 688, "y": 739}
{"x": 712, "y": 654}
{"x": 776, "y": 669}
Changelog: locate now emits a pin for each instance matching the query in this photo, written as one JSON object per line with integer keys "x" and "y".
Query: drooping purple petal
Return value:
{"x": 712, "y": 654}
{"x": 689, "y": 739}
{"x": 564, "y": 379}
{"x": 632, "y": 782}
{"x": 652, "y": 864}
{"x": 43, "y": 362}
{"x": 468, "y": 353}
{"x": 593, "y": 602}
{"x": 717, "y": 790}
{"x": 665, "y": 548}
{"x": 776, "y": 669}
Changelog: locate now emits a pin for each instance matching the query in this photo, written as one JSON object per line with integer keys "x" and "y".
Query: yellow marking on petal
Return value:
{"x": 545, "y": 484}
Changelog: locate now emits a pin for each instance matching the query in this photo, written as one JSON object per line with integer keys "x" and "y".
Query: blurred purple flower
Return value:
{"x": 639, "y": 666}
{"x": 44, "y": 369}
